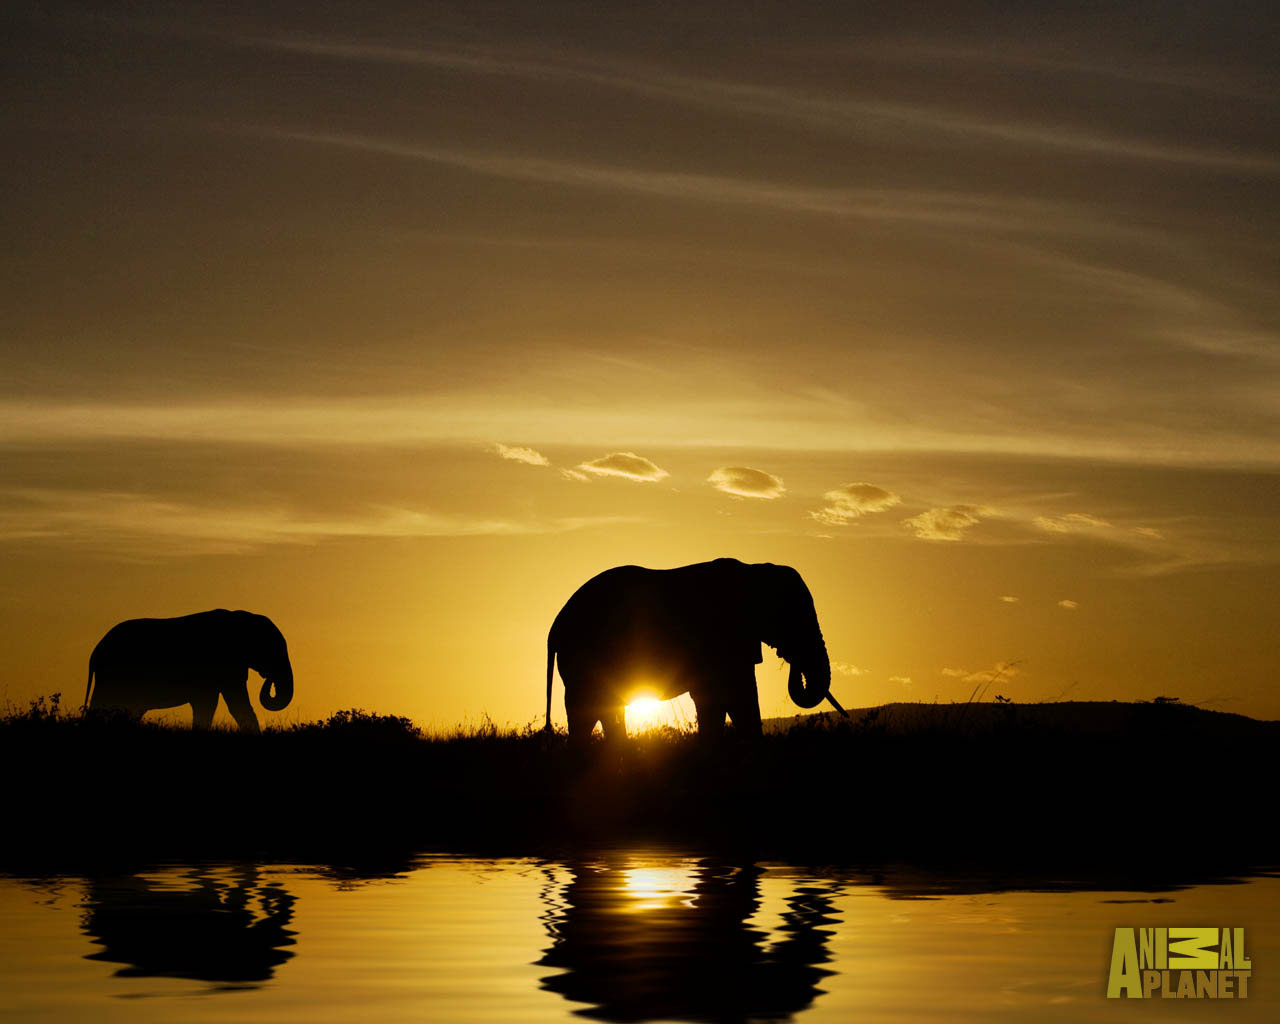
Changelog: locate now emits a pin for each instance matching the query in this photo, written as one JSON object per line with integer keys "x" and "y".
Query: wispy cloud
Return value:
{"x": 628, "y": 465}
{"x": 934, "y": 208}
{"x": 141, "y": 525}
{"x": 949, "y": 523}
{"x": 1009, "y": 599}
{"x": 1008, "y": 53}
{"x": 1072, "y": 522}
{"x": 1068, "y": 604}
{"x": 847, "y": 503}
{"x": 1001, "y": 670}
{"x": 808, "y": 423}
{"x": 834, "y": 114}
{"x": 843, "y": 668}
{"x": 517, "y": 453}
{"x": 746, "y": 483}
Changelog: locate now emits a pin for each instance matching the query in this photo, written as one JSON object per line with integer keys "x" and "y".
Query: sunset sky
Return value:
{"x": 398, "y": 325}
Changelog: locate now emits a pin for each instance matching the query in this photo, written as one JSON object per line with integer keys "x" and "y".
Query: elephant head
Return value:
{"x": 790, "y": 626}
{"x": 268, "y": 655}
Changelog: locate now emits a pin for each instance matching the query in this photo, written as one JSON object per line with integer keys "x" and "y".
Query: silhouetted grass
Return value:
{"x": 1098, "y": 783}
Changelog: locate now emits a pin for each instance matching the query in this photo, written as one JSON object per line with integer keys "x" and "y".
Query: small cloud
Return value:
{"x": 847, "y": 503}
{"x": 845, "y": 669}
{"x": 573, "y": 474}
{"x": 1009, "y": 599}
{"x": 904, "y": 680}
{"x": 746, "y": 483}
{"x": 1148, "y": 531}
{"x": 627, "y": 465}
{"x": 1072, "y": 522}
{"x": 1068, "y": 604}
{"x": 947, "y": 523}
{"x": 516, "y": 453}
{"x": 1002, "y": 670}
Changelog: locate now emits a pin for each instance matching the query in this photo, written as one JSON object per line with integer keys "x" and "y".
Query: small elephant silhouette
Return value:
{"x": 227, "y": 927}
{"x": 145, "y": 664}
{"x": 696, "y": 629}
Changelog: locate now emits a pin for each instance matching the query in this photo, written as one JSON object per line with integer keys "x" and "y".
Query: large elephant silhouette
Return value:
{"x": 696, "y": 629}
{"x": 146, "y": 664}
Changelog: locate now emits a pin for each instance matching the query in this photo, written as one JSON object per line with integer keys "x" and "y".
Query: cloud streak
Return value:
{"x": 811, "y": 424}
{"x": 842, "y": 115}
{"x": 930, "y": 208}
{"x": 140, "y": 525}
{"x": 1072, "y": 522}
{"x": 1002, "y": 670}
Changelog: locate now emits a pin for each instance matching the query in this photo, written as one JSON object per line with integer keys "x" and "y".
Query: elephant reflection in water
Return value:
{"x": 227, "y": 928}
{"x": 691, "y": 956}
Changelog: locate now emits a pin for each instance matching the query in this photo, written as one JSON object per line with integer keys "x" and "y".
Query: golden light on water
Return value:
{"x": 652, "y": 887}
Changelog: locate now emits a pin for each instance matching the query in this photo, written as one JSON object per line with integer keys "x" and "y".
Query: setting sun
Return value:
{"x": 647, "y": 711}
{"x": 644, "y": 713}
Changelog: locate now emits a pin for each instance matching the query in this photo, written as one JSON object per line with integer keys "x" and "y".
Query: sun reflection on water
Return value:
{"x": 650, "y": 888}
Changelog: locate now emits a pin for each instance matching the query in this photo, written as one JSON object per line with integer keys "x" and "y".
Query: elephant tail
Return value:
{"x": 88, "y": 686}
{"x": 551, "y": 671}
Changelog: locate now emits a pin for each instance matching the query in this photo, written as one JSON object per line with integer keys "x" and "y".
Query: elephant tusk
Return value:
{"x": 836, "y": 704}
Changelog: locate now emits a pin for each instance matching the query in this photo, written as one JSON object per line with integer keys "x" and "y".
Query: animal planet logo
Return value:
{"x": 1179, "y": 963}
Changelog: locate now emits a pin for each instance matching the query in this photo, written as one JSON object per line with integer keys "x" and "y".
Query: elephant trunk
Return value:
{"x": 810, "y": 679}
{"x": 282, "y": 681}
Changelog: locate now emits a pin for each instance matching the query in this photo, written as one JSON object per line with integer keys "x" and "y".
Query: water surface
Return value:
{"x": 623, "y": 936}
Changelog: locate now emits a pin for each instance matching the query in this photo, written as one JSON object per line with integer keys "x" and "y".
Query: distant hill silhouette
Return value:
{"x": 1083, "y": 718}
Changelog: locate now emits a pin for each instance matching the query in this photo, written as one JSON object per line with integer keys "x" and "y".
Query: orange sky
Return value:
{"x": 340, "y": 320}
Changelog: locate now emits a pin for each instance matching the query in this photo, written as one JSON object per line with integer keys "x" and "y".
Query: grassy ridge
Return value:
{"x": 1014, "y": 782}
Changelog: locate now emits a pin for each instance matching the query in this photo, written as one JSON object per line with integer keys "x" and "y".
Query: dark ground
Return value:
{"x": 1067, "y": 787}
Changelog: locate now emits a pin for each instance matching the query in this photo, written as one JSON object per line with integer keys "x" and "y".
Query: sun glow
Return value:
{"x": 644, "y": 713}
{"x": 647, "y": 711}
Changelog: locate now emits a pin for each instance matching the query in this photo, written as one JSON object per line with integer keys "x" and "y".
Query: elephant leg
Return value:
{"x": 202, "y": 709}
{"x": 614, "y": 724}
{"x": 711, "y": 713}
{"x": 237, "y": 699}
{"x": 744, "y": 710}
{"x": 582, "y": 720}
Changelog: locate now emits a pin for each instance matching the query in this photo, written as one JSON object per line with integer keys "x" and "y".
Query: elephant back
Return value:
{"x": 690, "y": 619}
